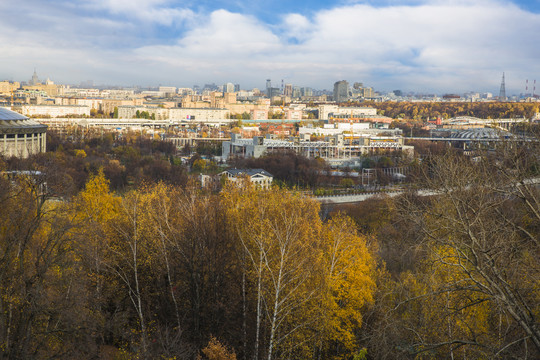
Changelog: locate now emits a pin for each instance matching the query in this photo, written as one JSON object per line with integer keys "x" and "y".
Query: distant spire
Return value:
{"x": 34, "y": 79}
{"x": 502, "y": 92}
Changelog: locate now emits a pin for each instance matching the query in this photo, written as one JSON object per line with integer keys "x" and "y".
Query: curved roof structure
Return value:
{"x": 12, "y": 122}
{"x": 481, "y": 134}
{"x": 6, "y": 114}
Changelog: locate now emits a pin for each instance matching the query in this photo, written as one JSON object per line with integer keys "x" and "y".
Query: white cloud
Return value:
{"x": 229, "y": 34}
{"x": 452, "y": 46}
{"x": 440, "y": 45}
{"x": 297, "y": 26}
{"x": 153, "y": 11}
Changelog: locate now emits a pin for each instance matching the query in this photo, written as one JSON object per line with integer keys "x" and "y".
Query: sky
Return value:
{"x": 423, "y": 46}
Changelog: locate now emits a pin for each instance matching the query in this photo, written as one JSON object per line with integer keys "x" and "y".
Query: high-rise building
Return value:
{"x": 211, "y": 87}
{"x": 296, "y": 93}
{"x": 228, "y": 87}
{"x": 35, "y": 79}
{"x": 307, "y": 91}
{"x": 236, "y": 87}
{"x": 288, "y": 91}
{"x": 268, "y": 87}
{"x": 271, "y": 91}
{"x": 361, "y": 91}
{"x": 341, "y": 91}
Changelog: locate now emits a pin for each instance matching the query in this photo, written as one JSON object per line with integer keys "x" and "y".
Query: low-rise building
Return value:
{"x": 259, "y": 177}
{"x": 356, "y": 129}
{"x": 327, "y": 111}
{"x": 336, "y": 148}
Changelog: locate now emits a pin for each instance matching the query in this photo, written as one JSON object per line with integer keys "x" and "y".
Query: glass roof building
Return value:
{"x": 20, "y": 136}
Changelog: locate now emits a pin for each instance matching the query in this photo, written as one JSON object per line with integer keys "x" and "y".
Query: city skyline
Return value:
{"x": 421, "y": 46}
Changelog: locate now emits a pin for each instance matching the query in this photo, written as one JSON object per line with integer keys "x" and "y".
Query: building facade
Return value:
{"x": 335, "y": 148}
{"x": 161, "y": 113}
{"x": 54, "y": 110}
{"x": 341, "y": 91}
{"x": 7, "y": 87}
{"x": 258, "y": 177}
{"x": 327, "y": 111}
{"x": 20, "y": 136}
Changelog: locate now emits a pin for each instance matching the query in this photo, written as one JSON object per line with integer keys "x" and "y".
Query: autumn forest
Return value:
{"x": 124, "y": 256}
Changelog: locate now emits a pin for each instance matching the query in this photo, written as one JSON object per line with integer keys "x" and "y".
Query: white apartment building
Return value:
{"x": 81, "y": 92}
{"x": 92, "y": 103}
{"x": 53, "y": 110}
{"x": 198, "y": 114}
{"x": 130, "y": 112}
{"x": 186, "y": 114}
{"x": 259, "y": 177}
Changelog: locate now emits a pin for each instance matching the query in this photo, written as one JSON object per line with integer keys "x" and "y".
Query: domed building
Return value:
{"x": 481, "y": 134}
{"x": 20, "y": 136}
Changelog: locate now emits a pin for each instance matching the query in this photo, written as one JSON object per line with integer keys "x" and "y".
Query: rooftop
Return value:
{"x": 12, "y": 122}
{"x": 6, "y": 114}
{"x": 481, "y": 133}
{"x": 249, "y": 172}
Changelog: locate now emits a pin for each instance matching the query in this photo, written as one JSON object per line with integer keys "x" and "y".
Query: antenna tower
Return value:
{"x": 502, "y": 92}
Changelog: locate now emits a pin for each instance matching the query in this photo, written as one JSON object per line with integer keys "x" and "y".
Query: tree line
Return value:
{"x": 445, "y": 110}
{"x": 128, "y": 160}
{"x": 159, "y": 271}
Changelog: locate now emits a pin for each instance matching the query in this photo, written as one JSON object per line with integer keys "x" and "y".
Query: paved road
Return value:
{"x": 343, "y": 199}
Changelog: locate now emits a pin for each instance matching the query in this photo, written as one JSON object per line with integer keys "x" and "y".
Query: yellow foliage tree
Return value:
{"x": 313, "y": 278}
{"x": 349, "y": 283}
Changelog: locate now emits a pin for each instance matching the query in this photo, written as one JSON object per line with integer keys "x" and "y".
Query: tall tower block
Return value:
{"x": 502, "y": 92}
{"x": 268, "y": 87}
